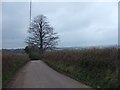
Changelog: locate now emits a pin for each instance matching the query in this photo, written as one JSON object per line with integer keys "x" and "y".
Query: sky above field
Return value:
{"x": 78, "y": 24}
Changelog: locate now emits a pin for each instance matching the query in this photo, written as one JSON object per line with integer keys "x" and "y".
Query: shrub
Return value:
{"x": 96, "y": 67}
{"x": 11, "y": 62}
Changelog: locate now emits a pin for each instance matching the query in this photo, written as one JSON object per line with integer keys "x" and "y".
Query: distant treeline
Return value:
{"x": 14, "y": 50}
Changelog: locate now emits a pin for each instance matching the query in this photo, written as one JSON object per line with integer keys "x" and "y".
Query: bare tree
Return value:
{"x": 41, "y": 34}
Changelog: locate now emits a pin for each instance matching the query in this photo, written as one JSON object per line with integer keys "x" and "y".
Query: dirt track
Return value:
{"x": 36, "y": 74}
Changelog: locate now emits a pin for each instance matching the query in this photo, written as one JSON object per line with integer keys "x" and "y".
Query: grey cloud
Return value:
{"x": 78, "y": 24}
{"x": 15, "y": 23}
{"x": 0, "y": 25}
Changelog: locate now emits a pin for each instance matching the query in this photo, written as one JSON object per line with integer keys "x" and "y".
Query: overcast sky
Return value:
{"x": 77, "y": 24}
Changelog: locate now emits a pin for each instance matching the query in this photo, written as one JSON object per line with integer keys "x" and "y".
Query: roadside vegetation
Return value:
{"x": 95, "y": 67}
{"x": 11, "y": 62}
{"x": 0, "y": 69}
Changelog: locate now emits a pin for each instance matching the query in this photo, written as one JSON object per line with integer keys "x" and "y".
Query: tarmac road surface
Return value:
{"x": 37, "y": 74}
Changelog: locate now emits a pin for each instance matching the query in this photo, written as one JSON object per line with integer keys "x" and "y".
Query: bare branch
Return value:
{"x": 41, "y": 34}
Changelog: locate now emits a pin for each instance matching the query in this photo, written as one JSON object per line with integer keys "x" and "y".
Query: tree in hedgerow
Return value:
{"x": 41, "y": 34}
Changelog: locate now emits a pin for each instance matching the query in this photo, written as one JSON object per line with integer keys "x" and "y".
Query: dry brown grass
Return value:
{"x": 11, "y": 62}
{"x": 96, "y": 67}
{"x": 0, "y": 54}
{"x": 74, "y": 57}
{"x": 0, "y": 70}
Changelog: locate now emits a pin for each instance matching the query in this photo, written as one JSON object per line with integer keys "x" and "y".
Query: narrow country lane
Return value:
{"x": 36, "y": 74}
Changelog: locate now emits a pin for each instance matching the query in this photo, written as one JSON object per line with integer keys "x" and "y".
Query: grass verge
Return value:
{"x": 94, "y": 67}
{"x": 11, "y": 62}
{"x": 85, "y": 76}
